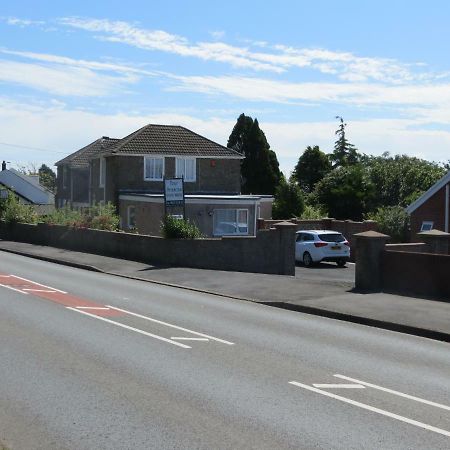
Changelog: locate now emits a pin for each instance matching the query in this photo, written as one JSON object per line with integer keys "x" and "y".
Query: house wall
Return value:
{"x": 214, "y": 176}
{"x": 434, "y": 210}
{"x": 80, "y": 185}
{"x": 96, "y": 192}
{"x": 62, "y": 190}
{"x": 150, "y": 214}
{"x": 271, "y": 251}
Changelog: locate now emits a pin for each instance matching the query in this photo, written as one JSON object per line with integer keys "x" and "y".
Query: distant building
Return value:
{"x": 432, "y": 209}
{"x": 27, "y": 189}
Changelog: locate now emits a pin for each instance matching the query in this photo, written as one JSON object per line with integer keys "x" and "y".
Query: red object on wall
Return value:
{"x": 212, "y": 163}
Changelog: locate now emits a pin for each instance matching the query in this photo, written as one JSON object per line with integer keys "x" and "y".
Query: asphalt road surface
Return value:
{"x": 92, "y": 361}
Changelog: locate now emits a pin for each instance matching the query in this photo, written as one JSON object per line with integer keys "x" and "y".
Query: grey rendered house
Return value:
{"x": 130, "y": 174}
{"x": 73, "y": 174}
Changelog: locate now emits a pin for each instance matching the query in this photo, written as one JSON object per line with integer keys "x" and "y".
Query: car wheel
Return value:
{"x": 341, "y": 263}
{"x": 307, "y": 260}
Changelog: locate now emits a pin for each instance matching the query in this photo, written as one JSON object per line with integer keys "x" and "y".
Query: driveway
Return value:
{"x": 328, "y": 272}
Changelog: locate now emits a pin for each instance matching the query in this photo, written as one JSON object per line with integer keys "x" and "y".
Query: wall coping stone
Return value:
{"x": 372, "y": 235}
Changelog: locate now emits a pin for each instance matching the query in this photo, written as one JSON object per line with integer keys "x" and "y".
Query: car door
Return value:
{"x": 298, "y": 246}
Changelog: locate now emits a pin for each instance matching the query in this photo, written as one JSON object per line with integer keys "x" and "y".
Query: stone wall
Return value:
{"x": 271, "y": 251}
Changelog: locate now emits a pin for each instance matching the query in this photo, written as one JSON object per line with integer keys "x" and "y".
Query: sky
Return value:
{"x": 73, "y": 71}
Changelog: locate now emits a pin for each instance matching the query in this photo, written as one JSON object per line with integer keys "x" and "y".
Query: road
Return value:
{"x": 92, "y": 361}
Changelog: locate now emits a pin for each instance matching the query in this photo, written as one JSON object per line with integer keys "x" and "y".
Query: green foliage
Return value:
{"x": 13, "y": 211}
{"x": 313, "y": 212}
{"x": 311, "y": 167}
{"x": 288, "y": 202}
{"x": 99, "y": 217}
{"x": 173, "y": 228}
{"x": 47, "y": 178}
{"x": 260, "y": 169}
{"x": 399, "y": 180}
{"x": 344, "y": 154}
{"x": 346, "y": 192}
{"x": 393, "y": 221}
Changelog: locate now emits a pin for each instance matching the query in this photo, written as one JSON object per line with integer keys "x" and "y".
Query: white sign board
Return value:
{"x": 174, "y": 192}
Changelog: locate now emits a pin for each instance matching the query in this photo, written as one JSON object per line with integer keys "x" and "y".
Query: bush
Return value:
{"x": 312, "y": 212}
{"x": 173, "y": 228}
{"x": 99, "y": 217}
{"x": 13, "y": 211}
{"x": 288, "y": 202}
{"x": 392, "y": 220}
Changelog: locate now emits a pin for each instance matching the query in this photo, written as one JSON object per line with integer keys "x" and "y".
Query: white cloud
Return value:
{"x": 275, "y": 58}
{"x": 62, "y": 80}
{"x": 21, "y": 22}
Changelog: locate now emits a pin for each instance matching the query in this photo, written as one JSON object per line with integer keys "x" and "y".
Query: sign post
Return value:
{"x": 174, "y": 194}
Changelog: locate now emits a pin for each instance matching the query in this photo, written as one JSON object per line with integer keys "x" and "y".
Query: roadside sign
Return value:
{"x": 173, "y": 192}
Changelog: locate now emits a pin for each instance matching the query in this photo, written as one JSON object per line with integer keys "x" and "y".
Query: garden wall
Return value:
{"x": 270, "y": 251}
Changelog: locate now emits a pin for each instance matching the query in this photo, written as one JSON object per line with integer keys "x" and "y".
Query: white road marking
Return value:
{"x": 188, "y": 339}
{"x": 137, "y": 330}
{"x": 172, "y": 326}
{"x": 391, "y": 391}
{"x": 39, "y": 284}
{"x": 373, "y": 409}
{"x": 37, "y": 290}
{"x": 91, "y": 307}
{"x": 339, "y": 386}
{"x": 13, "y": 289}
{"x": 5, "y": 276}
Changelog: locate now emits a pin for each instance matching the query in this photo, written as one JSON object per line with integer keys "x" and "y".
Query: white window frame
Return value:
{"x": 236, "y": 222}
{"x": 427, "y": 225}
{"x": 102, "y": 172}
{"x": 129, "y": 225}
{"x": 145, "y": 168}
{"x": 182, "y": 173}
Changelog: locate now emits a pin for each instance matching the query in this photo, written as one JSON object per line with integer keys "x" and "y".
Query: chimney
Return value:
{"x": 4, "y": 165}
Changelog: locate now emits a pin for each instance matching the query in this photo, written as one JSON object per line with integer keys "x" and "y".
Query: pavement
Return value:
{"x": 324, "y": 290}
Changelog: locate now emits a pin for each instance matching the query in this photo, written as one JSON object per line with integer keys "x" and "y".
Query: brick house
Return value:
{"x": 431, "y": 209}
{"x": 72, "y": 182}
{"x": 130, "y": 174}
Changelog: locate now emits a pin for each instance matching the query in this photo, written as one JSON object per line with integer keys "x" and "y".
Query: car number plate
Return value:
{"x": 336, "y": 247}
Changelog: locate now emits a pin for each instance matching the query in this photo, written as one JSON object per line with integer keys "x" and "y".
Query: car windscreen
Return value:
{"x": 335, "y": 237}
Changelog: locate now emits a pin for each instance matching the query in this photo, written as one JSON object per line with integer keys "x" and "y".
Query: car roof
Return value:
{"x": 319, "y": 231}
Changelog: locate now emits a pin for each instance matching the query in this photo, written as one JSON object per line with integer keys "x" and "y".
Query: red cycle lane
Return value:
{"x": 54, "y": 295}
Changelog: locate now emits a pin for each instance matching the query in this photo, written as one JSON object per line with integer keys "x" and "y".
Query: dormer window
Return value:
{"x": 186, "y": 168}
{"x": 153, "y": 168}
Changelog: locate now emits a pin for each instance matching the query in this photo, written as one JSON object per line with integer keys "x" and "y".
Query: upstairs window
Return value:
{"x": 102, "y": 175}
{"x": 186, "y": 168}
{"x": 153, "y": 168}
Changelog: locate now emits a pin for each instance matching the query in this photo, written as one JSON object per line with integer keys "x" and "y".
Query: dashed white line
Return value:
{"x": 38, "y": 290}
{"x": 373, "y": 409}
{"x": 339, "y": 386}
{"x": 13, "y": 289}
{"x": 171, "y": 325}
{"x": 92, "y": 307}
{"x": 188, "y": 339}
{"x": 391, "y": 391}
{"x": 137, "y": 330}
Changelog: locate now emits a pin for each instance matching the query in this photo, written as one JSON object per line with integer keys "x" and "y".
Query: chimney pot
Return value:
{"x": 4, "y": 165}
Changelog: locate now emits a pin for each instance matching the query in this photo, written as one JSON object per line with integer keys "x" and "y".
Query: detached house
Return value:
{"x": 73, "y": 174}
{"x": 432, "y": 209}
{"x": 27, "y": 189}
{"x": 130, "y": 174}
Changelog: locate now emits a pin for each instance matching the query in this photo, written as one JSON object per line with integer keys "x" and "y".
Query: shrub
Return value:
{"x": 13, "y": 211}
{"x": 392, "y": 220}
{"x": 174, "y": 228}
{"x": 99, "y": 217}
{"x": 313, "y": 212}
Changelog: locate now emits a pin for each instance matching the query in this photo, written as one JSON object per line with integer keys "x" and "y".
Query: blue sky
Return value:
{"x": 71, "y": 72}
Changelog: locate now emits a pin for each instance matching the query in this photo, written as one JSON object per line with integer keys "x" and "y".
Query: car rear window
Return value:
{"x": 335, "y": 237}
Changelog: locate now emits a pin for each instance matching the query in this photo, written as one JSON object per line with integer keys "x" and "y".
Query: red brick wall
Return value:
{"x": 433, "y": 210}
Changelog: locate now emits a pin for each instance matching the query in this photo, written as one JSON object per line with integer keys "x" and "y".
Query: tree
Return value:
{"x": 344, "y": 154}
{"x": 346, "y": 192}
{"x": 47, "y": 178}
{"x": 288, "y": 201}
{"x": 393, "y": 221}
{"x": 260, "y": 168}
{"x": 400, "y": 179}
{"x": 311, "y": 167}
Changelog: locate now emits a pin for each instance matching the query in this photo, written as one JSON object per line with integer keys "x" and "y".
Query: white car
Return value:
{"x": 313, "y": 246}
